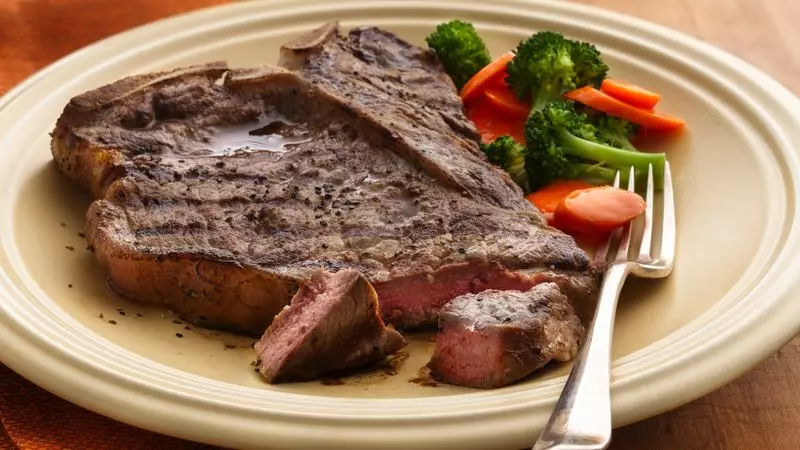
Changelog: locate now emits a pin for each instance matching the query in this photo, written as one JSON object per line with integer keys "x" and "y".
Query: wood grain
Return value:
{"x": 762, "y": 409}
{"x": 765, "y": 33}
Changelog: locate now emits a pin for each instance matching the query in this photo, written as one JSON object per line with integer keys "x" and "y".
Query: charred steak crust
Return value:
{"x": 333, "y": 324}
{"x": 495, "y": 338}
{"x": 228, "y": 238}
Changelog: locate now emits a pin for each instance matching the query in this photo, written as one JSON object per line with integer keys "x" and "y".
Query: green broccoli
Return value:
{"x": 547, "y": 65}
{"x": 614, "y": 131}
{"x": 460, "y": 50}
{"x": 562, "y": 144}
{"x": 509, "y": 155}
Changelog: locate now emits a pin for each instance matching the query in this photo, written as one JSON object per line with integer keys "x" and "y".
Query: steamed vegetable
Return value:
{"x": 550, "y": 118}
{"x": 594, "y": 98}
{"x": 509, "y": 155}
{"x": 492, "y": 123}
{"x": 549, "y": 197}
{"x": 614, "y": 131}
{"x": 630, "y": 93}
{"x": 494, "y": 72}
{"x": 547, "y": 65}
{"x": 505, "y": 100}
{"x": 460, "y": 50}
{"x": 597, "y": 210}
{"x": 562, "y": 144}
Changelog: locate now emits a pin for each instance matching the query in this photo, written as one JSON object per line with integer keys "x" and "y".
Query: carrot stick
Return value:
{"x": 594, "y": 98}
{"x": 493, "y": 71}
{"x": 502, "y": 97}
{"x": 493, "y": 123}
{"x": 630, "y": 93}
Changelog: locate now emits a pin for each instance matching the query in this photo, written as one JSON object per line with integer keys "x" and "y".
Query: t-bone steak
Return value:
{"x": 219, "y": 191}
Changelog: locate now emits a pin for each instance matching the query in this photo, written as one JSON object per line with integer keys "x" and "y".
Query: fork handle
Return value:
{"x": 582, "y": 417}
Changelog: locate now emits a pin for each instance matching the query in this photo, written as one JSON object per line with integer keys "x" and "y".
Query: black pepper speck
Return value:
{"x": 178, "y": 335}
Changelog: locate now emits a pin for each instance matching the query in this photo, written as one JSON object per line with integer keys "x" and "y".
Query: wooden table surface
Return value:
{"x": 761, "y": 410}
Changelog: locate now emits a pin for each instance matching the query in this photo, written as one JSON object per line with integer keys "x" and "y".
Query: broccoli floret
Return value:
{"x": 460, "y": 50}
{"x": 507, "y": 153}
{"x": 614, "y": 131}
{"x": 547, "y": 65}
{"x": 561, "y": 144}
{"x": 589, "y": 65}
{"x": 610, "y": 130}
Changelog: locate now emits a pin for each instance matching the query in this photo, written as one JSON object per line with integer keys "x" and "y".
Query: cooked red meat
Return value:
{"x": 495, "y": 338}
{"x": 360, "y": 158}
{"x": 333, "y": 324}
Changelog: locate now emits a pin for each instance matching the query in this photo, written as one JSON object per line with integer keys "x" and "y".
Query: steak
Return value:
{"x": 333, "y": 324}
{"x": 219, "y": 191}
{"x": 494, "y": 338}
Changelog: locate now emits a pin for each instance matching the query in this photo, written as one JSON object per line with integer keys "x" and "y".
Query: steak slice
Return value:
{"x": 495, "y": 338}
{"x": 333, "y": 324}
{"x": 219, "y": 191}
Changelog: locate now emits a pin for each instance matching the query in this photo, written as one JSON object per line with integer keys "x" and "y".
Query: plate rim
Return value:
{"x": 15, "y": 361}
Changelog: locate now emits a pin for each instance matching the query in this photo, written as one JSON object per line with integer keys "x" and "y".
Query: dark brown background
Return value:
{"x": 759, "y": 411}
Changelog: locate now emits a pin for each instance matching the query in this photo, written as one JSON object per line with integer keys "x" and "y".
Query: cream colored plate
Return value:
{"x": 728, "y": 305}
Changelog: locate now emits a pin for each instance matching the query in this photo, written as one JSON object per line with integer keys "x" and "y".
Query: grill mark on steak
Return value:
{"x": 373, "y": 57}
{"x": 361, "y": 194}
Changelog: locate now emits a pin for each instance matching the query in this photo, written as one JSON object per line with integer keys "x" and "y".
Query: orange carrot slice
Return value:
{"x": 493, "y": 71}
{"x": 504, "y": 99}
{"x": 549, "y": 197}
{"x": 493, "y": 123}
{"x": 594, "y": 98}
{"x": 597, "y": 210}
{"x": 630, "y": 93}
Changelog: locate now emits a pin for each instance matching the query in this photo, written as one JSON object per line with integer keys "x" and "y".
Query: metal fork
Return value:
{"x": 582, "y": 417}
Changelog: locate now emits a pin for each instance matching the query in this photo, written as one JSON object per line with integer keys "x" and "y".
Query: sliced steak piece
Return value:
{"x": 495, "y": 338}
{"x": 318, "y": 180}
{"x": 333, "y": 324}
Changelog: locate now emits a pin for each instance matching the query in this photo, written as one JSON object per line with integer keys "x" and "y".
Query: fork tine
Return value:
{"x": 668, "y": 229}
{"x": 625, "y": 240}
{"x": 647, "y": 234}
{"x": 601, "y": 256}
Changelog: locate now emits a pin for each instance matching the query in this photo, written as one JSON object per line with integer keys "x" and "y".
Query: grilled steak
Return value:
{"x": 218, "y": 191}
{"x": 333, "y": 324}
{"x": 495, "y": 338}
